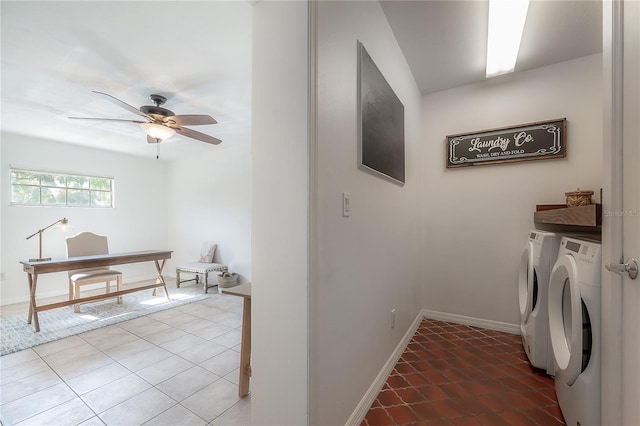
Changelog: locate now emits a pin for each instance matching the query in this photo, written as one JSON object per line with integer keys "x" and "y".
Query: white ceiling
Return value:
{"x": 198, "y": 55}
{"x": 445, "y": 42}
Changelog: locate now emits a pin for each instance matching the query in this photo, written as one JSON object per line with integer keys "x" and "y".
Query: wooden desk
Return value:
{"x": 244, "y": 291}
{"x": 33, "y": 269}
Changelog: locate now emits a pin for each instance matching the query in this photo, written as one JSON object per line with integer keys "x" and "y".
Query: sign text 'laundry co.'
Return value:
{"x": 533, "y": 141}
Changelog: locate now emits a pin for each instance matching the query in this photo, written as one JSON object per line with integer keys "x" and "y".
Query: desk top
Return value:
{"x": 94, "y": 261}
{"x": 242, "y": 290}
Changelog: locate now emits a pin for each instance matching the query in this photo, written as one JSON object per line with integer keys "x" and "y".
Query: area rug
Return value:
{"x": 16, "y": 334}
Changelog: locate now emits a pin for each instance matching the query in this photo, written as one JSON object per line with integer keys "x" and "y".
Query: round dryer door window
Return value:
{"x": 565, "y": 319}
{"x": 525, "y": 281}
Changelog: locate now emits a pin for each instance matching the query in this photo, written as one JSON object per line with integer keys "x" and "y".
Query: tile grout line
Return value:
{"x": 115, "y": 361}
{"x": 502, "y": 348}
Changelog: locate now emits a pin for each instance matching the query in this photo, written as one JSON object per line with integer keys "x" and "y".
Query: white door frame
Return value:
{"x": 631, "y": 211}
{"x": 611, "y": 324}
{"x": 621, "y": 236}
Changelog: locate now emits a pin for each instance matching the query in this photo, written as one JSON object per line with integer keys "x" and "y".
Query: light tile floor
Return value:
{"x": 174, "y": 367}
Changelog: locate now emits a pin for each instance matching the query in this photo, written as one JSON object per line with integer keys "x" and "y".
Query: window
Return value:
{"x": 37, "y": 188}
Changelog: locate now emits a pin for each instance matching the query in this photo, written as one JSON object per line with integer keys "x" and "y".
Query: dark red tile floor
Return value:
{"x": 452, "y": 374}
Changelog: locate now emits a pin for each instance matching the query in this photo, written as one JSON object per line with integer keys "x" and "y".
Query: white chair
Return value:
{"x": 204, "y": 266}
{"x": 87, "y": 244}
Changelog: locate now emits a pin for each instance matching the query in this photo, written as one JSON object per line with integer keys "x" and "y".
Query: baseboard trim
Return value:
{"x": 365, "y": 403}
{"x": 472, "y": 321}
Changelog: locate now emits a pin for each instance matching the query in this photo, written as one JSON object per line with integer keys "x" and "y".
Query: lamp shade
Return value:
{"x": 157, "y": 131}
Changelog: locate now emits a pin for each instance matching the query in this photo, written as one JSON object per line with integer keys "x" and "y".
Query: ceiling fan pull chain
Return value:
{"x": 158, "y": 150}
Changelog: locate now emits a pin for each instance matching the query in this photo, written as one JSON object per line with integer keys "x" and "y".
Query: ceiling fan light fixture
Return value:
{"x": 506, "y": 23}
{"x": 157, "y": 131}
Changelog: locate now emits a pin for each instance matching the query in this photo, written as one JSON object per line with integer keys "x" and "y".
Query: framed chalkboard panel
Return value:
{"x": 533, "y": 141}
{"x": 381, "y": 122}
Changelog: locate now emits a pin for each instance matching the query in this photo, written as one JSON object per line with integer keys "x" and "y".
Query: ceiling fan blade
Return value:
{"x": 197, "y": 135}
{"x": 122, "y": 104}
{"x": 107, "y": 119}
{"x": 190, "y": 120}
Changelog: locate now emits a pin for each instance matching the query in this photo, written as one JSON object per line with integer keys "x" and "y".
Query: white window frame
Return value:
{"x": 64, "y": 188}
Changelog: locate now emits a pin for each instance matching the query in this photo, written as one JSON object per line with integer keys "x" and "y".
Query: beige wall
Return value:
{"x": 368, "y": 263}
{"x": 280, "y": 195}
{"x": 476, "y": 218}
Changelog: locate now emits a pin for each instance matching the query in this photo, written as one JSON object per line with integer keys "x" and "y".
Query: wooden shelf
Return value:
{"x": 558, "y": 217}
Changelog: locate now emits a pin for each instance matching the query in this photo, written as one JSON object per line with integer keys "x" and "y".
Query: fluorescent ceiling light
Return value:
{"x": 506, "y": 22}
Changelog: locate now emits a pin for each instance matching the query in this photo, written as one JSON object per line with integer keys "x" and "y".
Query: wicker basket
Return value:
{"x": 227, "y": 280}
{"x": 578, "y": 198}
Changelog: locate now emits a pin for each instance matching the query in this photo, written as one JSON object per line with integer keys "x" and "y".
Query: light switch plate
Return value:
{"x": 346, "y": 204}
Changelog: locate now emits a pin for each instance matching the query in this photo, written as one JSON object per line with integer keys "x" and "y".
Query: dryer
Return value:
{"x": 574, "y": 329}
{"x": 537, "y": 260}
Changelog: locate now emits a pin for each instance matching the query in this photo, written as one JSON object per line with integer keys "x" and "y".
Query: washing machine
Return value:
{"x": 574, "y": 329}
{"x": 537, "y": 260}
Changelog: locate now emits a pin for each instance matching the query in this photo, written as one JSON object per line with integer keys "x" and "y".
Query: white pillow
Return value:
{"x": 207, "y": 251}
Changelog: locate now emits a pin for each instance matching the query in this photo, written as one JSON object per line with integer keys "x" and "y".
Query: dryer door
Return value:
{"x": 526, "y": 282}
{"x": 565, "y": 319}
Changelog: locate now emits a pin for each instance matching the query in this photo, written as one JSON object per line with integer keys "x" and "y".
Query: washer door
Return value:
{"x": 526, "y": 282}
{"x": 565, "y": 319}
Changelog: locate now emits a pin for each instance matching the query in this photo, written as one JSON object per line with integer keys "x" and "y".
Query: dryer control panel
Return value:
{"x": 573, "y": 246}
{"x": 585, "y": 253}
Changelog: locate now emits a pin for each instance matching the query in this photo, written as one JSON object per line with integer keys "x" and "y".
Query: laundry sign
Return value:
{"x": 533, "y": 141}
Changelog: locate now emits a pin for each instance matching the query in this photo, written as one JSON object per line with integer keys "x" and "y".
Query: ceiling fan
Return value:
{"x": 161, "y": 123}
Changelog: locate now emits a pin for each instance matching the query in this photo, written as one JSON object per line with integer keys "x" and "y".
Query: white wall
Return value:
{"x": 280, "y": 191}
{"x": 137, "y": 222}
{"x": 476, "y": 218}
{"x": 368, "y": 263}
{"x": 2, "y": 179}
{"x": 209, "y": 199}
